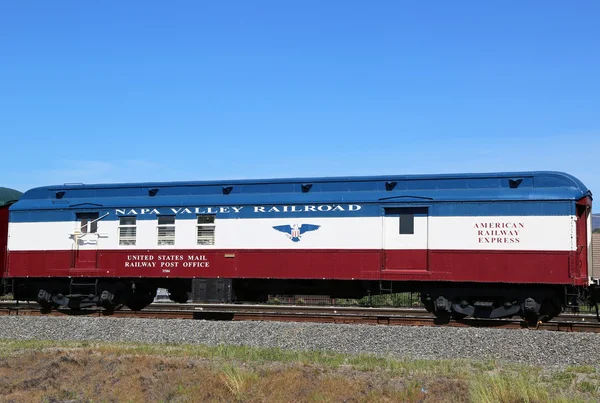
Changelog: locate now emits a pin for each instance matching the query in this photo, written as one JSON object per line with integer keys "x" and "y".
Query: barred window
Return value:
{"x": 205, "y": 230}
{"x": 88, "y": 222}
{"x": 127, "y": 230}
{"x": 166, "y": 230}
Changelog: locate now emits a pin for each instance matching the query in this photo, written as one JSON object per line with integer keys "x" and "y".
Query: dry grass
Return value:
{"x": 81, "y": 372}
{"x": 92, "y": 375}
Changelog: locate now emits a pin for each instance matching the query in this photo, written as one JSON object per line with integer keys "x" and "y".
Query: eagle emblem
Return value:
{"x": 295, "y": 231}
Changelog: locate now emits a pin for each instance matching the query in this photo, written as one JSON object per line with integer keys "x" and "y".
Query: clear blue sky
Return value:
{"x": 118, "y": 91}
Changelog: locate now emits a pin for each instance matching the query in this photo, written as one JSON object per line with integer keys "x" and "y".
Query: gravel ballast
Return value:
{"x": 535, "y": 347}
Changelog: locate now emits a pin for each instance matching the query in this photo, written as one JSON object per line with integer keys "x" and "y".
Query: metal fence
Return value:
{"x": 399, "y": 300}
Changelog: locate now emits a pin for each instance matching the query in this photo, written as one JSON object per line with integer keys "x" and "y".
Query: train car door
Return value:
{"x": 405, "y": 239}
{"x": 85, "y": 248}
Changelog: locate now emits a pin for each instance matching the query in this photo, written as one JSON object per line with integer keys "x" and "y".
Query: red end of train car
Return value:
{"x": 7, "y": 197}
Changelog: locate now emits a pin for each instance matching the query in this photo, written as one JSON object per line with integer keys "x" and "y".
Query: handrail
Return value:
{"x": 406, "y": 197}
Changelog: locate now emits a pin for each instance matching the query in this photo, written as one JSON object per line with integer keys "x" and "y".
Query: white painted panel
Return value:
{"x": 55, "y": 236}
{"x": 40, "y": 236}
{"x": 333, "y": 233}
{"x": 502, "y": 233}
{"x": 393, "y": 240}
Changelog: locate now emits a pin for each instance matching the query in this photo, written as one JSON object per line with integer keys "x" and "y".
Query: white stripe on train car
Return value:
{"x": 551, "y": 233}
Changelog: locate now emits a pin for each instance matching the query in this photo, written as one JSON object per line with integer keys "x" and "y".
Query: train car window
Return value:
{"x": 205, "y": 230}
{"x": 407, "y": 224}
{"x": 406, "y": 217}
{"x": 88, "y": 222}
{"x": 127, "y": 230}
{"x": 166, "y": 230}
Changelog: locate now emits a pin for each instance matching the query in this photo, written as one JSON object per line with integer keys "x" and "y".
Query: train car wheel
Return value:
{"x": 136, "y": 301}
{"x": 44, "y": 299}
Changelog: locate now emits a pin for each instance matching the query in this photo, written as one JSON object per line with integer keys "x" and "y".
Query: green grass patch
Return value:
{"x": 581, "y": 369}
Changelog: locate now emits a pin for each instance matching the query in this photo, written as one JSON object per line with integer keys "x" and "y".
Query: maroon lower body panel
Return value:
{"x": 440, "y": 265}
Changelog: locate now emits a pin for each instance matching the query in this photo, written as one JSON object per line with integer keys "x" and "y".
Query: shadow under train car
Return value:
{"x": 203, "y": 290}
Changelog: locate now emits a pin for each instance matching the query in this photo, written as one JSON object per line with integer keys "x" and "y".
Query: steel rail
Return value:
{"x": 314, "y": 314}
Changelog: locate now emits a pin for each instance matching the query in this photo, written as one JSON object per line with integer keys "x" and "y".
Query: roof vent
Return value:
{"x": 306, "y": 187}
{"x": 514, "y": 183}
{"x": 59, "y": 195}
{"x": 152, "y": 192}
{"x": 227, "y": 189}
{"x": 389, "y": 185}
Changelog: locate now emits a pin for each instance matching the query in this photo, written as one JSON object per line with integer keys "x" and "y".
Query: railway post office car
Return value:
{"x": 484, "y": 245}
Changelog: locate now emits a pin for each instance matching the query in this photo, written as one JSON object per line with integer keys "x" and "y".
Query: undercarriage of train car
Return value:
{"x": 446, "y": 301}
{"x": 110, "y": 294}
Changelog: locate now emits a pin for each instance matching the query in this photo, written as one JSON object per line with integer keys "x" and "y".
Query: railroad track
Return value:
{"x": 315, "y": 314}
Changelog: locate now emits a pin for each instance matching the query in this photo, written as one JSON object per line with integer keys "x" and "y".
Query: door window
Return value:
{"x": 407, "y": 217}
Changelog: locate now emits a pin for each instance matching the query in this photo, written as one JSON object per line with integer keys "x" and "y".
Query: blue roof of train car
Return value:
{"x": 535, "y": 185}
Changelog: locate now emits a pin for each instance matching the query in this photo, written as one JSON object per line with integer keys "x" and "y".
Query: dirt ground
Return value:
{"x": 114, "y": 374}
